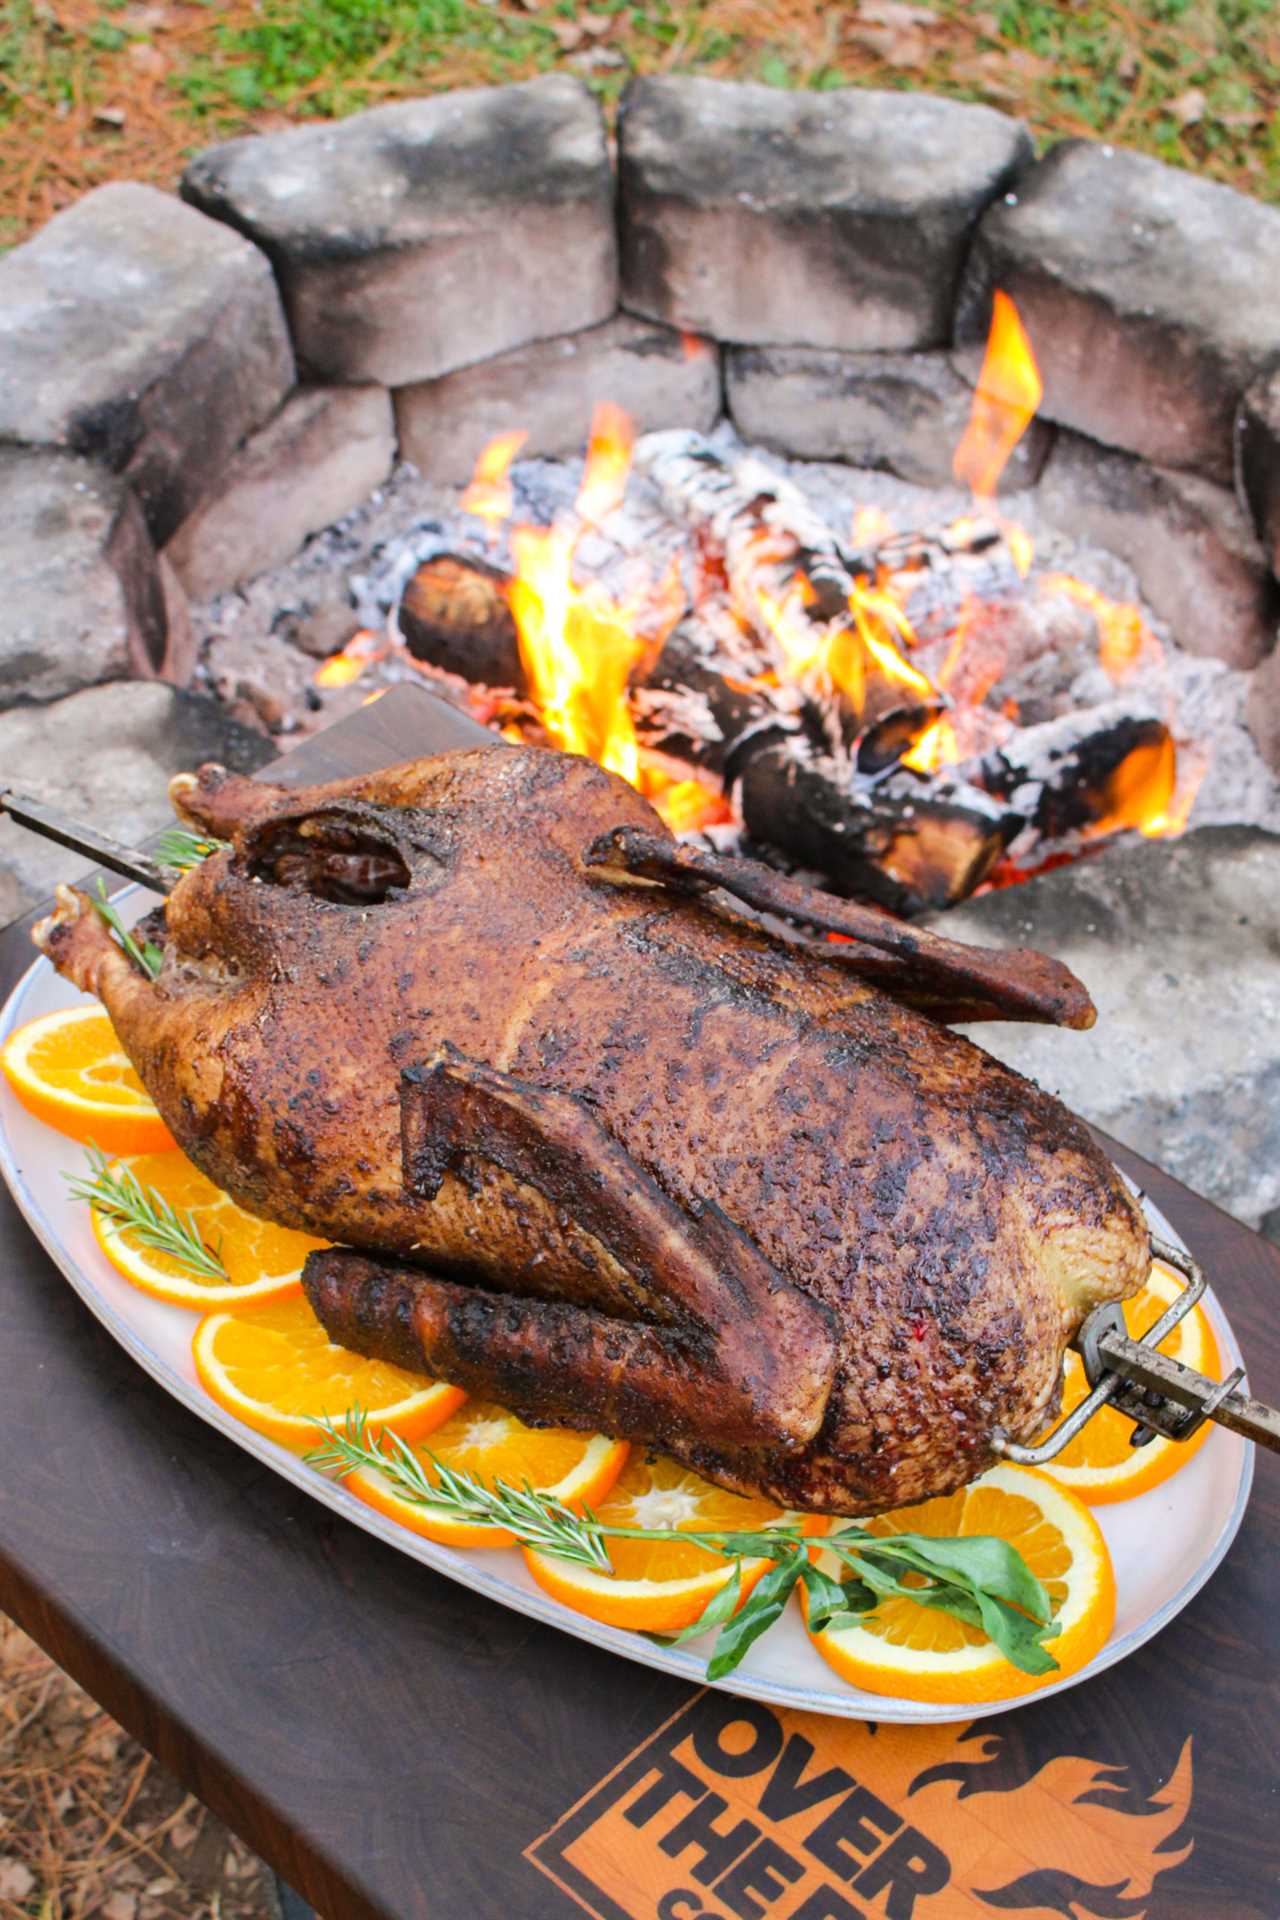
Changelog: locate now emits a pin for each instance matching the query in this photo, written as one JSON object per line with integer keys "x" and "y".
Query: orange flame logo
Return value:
{"x": 731, "y": 1805}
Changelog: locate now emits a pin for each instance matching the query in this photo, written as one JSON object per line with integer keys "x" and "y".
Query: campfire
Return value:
{"x": 894, "y": 708}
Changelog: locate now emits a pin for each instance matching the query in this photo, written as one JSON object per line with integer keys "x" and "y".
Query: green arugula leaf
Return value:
{"x": 719, "y": 1608}
{"x": 834, "y": 1602}
{"x": 764, "y": 1605}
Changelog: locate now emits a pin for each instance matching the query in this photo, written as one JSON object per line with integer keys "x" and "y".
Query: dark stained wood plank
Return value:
{"x": 402, "y": 724}
{"x": 393, "y": 1744}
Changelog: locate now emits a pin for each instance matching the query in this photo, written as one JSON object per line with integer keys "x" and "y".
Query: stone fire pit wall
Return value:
{"x": 190, "y": 387}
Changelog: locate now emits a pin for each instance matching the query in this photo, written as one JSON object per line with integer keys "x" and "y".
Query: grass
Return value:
{"x": 92, "y": 90}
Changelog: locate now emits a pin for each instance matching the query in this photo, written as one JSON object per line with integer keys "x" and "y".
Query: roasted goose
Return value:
{"x": 597, "y": 1146}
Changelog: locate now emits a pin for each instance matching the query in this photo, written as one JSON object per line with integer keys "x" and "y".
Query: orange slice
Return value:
{"x": 658, "y": 1586}
{"x": 916, "y": 1653}
{"x": 1099, "y": 1464}
{"x": 69, "y": 1069}
{"x": 276, "y": 1369}
{"x": 262, "y": 1260}
{"x": 484, "y": 1439}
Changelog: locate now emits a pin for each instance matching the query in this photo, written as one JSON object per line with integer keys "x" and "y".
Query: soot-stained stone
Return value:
{"x": 834, "y": 219}
{"x": 85, "y": 598}
{"x": 1194, "y": 551}
{"x": 428, "y": 234}
{"x": 322, "y": 454}
{"x": 1151, "y": 298}
{"x": 107, "y": 755}
{"x": 1176, "y": 941}
{"x": 137, "y": 332}
{"x": 1262, "y": 710}
{"x": 1258, "y": 459}
{"x": 902, "y": 413}
{"x": 551, "y": 388}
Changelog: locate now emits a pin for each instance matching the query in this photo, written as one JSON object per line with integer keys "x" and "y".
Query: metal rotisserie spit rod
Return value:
{"x": 98, "y": 847}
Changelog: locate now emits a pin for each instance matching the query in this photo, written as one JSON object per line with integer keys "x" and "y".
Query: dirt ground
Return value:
{"x": 91, "y": 1826}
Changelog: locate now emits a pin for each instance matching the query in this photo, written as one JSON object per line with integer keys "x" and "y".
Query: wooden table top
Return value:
{"x": 399, "y": 1747}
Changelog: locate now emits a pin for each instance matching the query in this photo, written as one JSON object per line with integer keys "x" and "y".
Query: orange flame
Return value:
{"x": 489, "y": 494}
{"x": 604, "y": 478}
{"x": 936, "y": 747}
{"x": 1140, "y": 791}
{"x": 361, "y": 651}
{"x": 579, "y": 646}
{"x": 1008, "y": 392}
{"x": 1171, "y": 820}
{"x": 686, "y": 806}
{"x": 1123, "y": 635}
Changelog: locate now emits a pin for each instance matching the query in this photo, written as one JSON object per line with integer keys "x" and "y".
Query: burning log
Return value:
{"x": 1110, "y": 766}
{"x": 909, "y": 843}
{"x": 800, "y": 590}
{"x": 707, "y": 700}
{"x": 454, "y": 614}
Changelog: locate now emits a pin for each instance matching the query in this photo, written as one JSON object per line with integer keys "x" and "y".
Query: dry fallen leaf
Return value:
{"x": 1004, "y": 75}
{"x": 896, "y": 13}
{"x": 120, "y": 1906}
{"x": 17, "y": 1881}
{"x": 1189, "y": 107}
{"x": 893, "y": 31}
{"x": 146, "y": 59}
{"x": 909, "y": 49}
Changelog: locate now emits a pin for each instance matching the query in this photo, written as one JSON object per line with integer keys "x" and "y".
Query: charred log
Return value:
{"x": 793, "y": 583}
{"x": 907, "y": 842}
{"x": 1103, "y": 764}
{"x": 454, "y": 614}
{"x": 707, "y": 701}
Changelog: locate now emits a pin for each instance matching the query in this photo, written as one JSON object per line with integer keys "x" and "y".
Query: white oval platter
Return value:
{"x": 1164, "y": 1544}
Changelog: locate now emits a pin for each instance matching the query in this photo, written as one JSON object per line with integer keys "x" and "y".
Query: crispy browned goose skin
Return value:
{"x": 609, "y": 1155}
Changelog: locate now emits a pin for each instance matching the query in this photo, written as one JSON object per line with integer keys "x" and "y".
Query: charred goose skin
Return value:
{"x": 601, "y": 1151}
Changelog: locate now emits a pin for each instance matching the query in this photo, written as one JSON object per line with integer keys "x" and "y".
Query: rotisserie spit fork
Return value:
{"x": 1163, "y": 1398}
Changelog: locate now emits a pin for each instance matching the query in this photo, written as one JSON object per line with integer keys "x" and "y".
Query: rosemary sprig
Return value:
{"x": 146, "y": 956}
{"x": 120, "y": 1195}
{"x": 981, "y": 1580}
{"x": 178, "y": 848}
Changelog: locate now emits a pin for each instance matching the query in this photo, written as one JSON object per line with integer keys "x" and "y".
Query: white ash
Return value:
{"x": 249, "y": 659}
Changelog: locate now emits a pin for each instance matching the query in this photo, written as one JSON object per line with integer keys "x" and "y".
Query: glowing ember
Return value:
{"x": 489, "y": 494}
{"x": 1008, "y": 393}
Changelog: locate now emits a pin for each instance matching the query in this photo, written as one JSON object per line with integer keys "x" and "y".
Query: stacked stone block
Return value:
{"x": 189, "y": 388}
